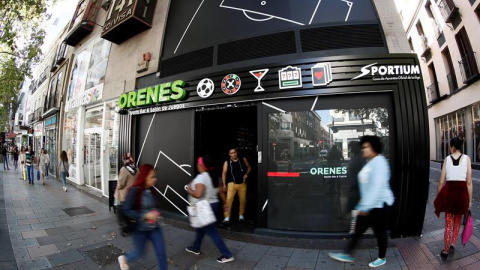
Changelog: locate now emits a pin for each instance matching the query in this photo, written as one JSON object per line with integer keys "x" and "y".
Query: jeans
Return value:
{"x": 140, "y": 239}
{"x": 46, "y": 169}
{"x": 5, "y": 163}
{"x": 15, "y": 163}
{"x": 64, "y": 179}
{"x": 30, "y": 174}
{"x": 211, "y": 230}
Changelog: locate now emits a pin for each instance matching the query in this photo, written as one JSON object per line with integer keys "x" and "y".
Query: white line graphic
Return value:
{"x": 265, "y": 205}
{"x": 315, "y": 12}
{"x": 257, "y": 20}
{"x": 260, "y": 13}
{"x": 163, "y": 194}
{"x": 314, "y": 103}
{"x": 188, "y": 26}
{"x": 350, "y": 5}
{"x": 273, "y": 107}
{"x": 179, "y": 166}
{"x": 146, "y": 136}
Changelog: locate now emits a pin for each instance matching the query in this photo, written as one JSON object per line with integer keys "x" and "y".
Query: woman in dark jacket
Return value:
{"x": 142, "y": 206}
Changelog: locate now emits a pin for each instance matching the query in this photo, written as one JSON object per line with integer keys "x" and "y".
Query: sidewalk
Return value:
{"x": 50, "y": 228}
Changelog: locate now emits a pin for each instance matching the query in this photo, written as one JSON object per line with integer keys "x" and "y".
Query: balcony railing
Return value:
{"x": 30, "y": 118}
{"x": 452, "y": 82}
{"x": 432, "y": 92}
{"x": 448, "y": 9}
{"x": 422, "y": 45}
{"x": 38, "y": 114}
{"x": 469, "y": 67}
{"x": 51, "y": 102}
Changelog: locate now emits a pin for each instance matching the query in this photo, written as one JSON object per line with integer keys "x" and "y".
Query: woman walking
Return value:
{"x": 23, "y": 161}
{"x": 376, "y": 198}
{"x": 42, "y": 165}
{"x": 63, "y": 167}
{"x": 142, "y": 206}
{"x": 454, "y": 193}
{"x": 205, "y": 186}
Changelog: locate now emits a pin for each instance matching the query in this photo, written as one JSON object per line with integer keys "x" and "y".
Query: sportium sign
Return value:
{"x": 390, "y": 72}
{"x": 164, "y": 92}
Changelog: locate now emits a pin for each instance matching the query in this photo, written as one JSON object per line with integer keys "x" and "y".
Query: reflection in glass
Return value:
{"x": 313, "y": 161}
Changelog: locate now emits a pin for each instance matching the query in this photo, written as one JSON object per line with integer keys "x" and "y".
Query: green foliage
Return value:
{"x": 21, "y": 38}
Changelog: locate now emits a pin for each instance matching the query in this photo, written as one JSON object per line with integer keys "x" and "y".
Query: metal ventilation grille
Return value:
{"x": 256, "y": 47}
{"x": 187, "y": 62}
{"x": 341, "y": 37}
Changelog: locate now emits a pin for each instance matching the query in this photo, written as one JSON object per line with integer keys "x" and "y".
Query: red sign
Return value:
{"x": 283, "y": 174}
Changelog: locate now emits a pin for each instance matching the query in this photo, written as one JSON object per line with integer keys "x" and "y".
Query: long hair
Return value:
{"x": 145, "y": 169}
{"x": 63, "y": 156}
{"x": 210, "y": 166}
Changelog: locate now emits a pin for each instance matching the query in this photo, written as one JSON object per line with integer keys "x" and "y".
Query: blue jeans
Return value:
{"x": 64, "y": 179}
{"x": 46, "y": 168}
{"x": 211, "y": 230}
{"x": 5, "y": 163}
{"x": 140, "y": 239}
{"x": 30, "y": 174}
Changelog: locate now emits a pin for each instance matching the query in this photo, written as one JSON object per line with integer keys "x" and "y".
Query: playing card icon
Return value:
{"x": 321, "y": 74}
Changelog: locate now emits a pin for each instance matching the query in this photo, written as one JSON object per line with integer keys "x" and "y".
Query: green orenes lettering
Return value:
{"x": 152, "y": 95}
{"x": 177, "y": 89}
{"x": 131, "y": 99}
{"x": 122, "y": 101}
{"x": 141, "y": 96}
{"x": 165, "y": 92}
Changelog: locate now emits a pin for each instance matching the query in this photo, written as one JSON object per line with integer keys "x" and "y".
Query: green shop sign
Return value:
{"x": 164, "y": 92}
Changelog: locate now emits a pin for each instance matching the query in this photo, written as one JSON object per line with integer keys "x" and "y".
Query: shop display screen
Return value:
{"x": 196, "y": 24}
{"x": 313, "y": 161}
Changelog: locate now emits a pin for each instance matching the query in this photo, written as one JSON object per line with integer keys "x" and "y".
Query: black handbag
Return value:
{"x": 66, "y": 171}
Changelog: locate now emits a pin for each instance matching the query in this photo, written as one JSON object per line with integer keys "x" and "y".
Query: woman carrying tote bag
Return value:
{"x": 205, "y": 187}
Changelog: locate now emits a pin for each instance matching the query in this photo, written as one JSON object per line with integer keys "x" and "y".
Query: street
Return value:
{"x": 44, "y": 227}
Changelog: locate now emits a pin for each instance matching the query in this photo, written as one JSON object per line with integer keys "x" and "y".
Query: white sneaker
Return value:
{"x": 241, "y": 218}
{"x": 122, "y": 261}
{"x": 226, "y": 220}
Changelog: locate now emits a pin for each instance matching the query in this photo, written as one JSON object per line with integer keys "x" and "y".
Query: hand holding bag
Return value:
{"x": 467, "y": 228}
{"x": 201, "y": 214}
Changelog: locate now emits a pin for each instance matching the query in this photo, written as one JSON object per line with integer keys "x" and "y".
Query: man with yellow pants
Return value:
{"x": 234, "y": 176}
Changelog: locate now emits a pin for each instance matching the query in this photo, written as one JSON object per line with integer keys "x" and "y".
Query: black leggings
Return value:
{"x": 377, "y": 219}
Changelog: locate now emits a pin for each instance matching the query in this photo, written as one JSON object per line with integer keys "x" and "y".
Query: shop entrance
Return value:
{"x": 219, "y": 130}
{"x": 92, "y": 160}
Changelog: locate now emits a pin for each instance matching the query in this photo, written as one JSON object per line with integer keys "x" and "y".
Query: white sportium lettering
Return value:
{"x": 390, "y": 70}
{"x": 415, "y": 70}
{"x": 382, "y": 70}
{"x": 374, "y": 70}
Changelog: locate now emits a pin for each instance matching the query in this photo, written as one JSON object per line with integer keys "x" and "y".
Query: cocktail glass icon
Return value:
{"x": 259, "y": 74}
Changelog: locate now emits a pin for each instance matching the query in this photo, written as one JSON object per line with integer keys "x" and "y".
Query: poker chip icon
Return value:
{"x": 231, "y": 84}
{"x": 205, "y": 88}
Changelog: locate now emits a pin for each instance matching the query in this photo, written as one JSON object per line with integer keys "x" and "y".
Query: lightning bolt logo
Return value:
{"x": 365, "y": 70}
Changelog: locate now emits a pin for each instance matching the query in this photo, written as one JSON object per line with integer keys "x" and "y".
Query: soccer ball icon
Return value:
{"x": 205, "y": 88}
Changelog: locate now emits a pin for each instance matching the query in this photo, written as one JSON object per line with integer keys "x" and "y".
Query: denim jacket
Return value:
{"x": 148, "y": 203}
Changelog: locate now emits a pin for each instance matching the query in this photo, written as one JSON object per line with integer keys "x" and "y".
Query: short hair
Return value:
{"x": 374, "y": 142}
{"x": 456, "y": 142}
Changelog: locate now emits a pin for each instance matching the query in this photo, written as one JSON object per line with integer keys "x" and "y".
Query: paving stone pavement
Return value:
{"x": 41, "y": 236}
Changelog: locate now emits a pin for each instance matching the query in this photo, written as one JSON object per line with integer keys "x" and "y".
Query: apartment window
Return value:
{"x": 451, "y": 78}
{"x": 433, "y": 21}
{"x": 468, "y": 63}
{"x": 422, "y": 40}
{"x": 432, "y": 90}
{"x": 285, "y": 126}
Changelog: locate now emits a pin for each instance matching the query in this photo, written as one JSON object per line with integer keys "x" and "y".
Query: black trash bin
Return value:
{"x": 112, "y": 185}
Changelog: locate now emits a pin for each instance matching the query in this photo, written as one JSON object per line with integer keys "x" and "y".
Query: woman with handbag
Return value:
{"x": 205, "y": 187}
{"x": 63, "y": 167}
{"x": 454, "y": 193}
{"x": 142, "y": 206}
{"x": 126, "y": 177}
{"x": 23, "y": 159}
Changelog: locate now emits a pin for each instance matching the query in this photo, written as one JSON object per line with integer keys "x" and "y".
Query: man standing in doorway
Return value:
{"x": 234, "y": 176}
{"x": 29, "y": 155}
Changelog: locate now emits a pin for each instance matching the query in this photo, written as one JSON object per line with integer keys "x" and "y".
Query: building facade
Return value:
{"x": 444, "y": 34}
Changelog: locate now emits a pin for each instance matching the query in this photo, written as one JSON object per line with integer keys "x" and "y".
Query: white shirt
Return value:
{"x": 210, "y": 192}
{"x": 456, "y": 173}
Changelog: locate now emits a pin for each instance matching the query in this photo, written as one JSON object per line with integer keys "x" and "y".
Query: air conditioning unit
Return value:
{"x": 106, "y": 4}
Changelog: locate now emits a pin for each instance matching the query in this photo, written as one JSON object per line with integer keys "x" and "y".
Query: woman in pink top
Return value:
{"x": 454, "y": 193}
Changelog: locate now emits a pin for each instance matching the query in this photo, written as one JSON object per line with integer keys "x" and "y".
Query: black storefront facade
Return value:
{"x": 288, "y": 98}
